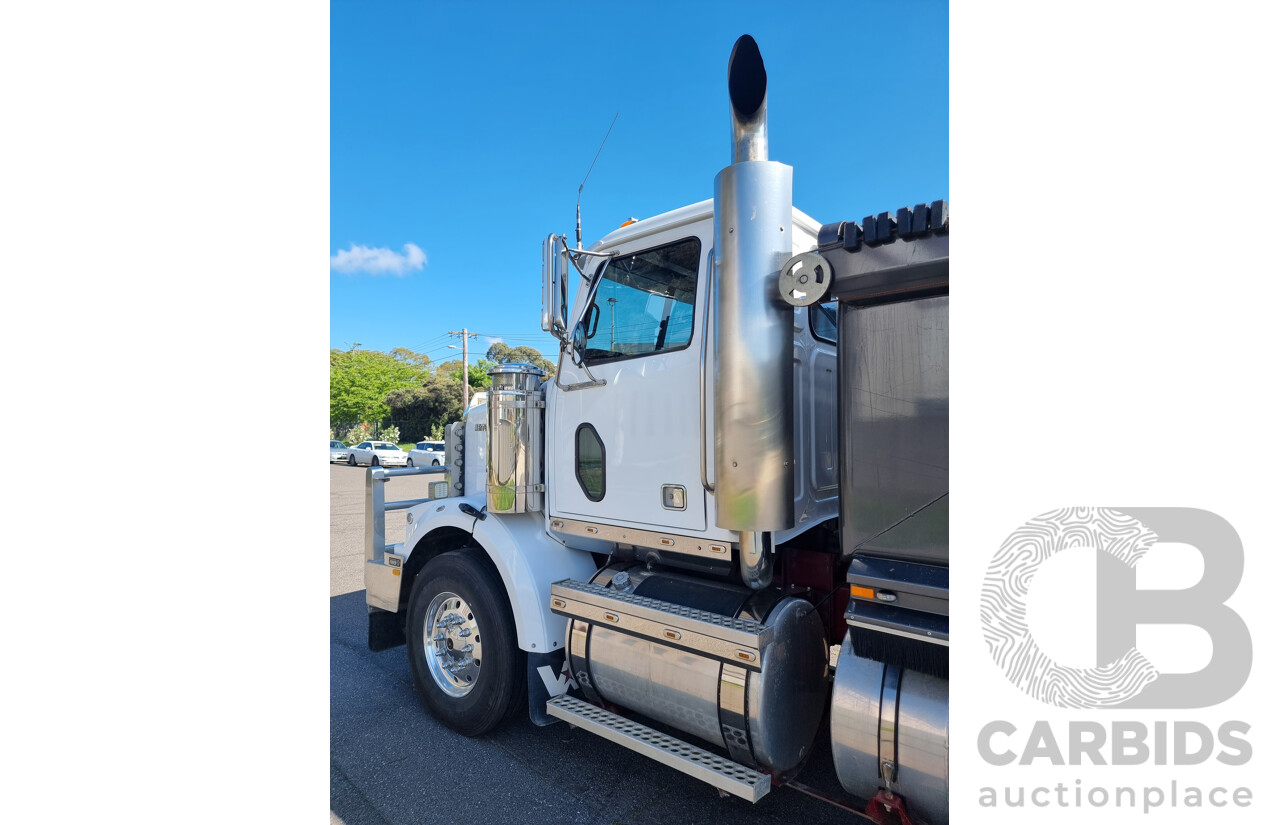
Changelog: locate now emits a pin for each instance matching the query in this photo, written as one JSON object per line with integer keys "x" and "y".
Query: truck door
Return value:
{"x": 627, "y": 452}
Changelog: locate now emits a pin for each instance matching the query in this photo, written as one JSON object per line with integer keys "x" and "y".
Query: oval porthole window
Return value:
{"x": 589, "y": 462}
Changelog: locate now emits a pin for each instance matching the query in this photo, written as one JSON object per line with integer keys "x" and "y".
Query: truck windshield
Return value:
{"x": 645, "y": 302}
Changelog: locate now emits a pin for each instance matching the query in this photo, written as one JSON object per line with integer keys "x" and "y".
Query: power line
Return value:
{"x": 430, "y": 342}
{"x": 514, "y": 335}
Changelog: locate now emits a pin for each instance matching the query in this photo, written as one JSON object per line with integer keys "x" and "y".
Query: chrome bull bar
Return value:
{"x": 376, "y": 505}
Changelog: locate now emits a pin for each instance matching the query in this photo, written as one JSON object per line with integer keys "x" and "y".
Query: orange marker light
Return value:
{"x": 861, "y": 592}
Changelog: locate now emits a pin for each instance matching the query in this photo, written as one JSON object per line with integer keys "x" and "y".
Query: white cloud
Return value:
{"x": 378, "y": 260}
{"x": 492, "y": 341}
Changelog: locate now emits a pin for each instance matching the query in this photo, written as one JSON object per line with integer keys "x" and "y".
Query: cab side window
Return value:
{"x": 589, "y": 462}
{"x": 644, "y": 304}
{"x": 824, "y": 322}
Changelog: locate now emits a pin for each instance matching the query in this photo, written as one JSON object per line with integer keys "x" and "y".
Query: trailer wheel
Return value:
{"x": 462, "y": 644}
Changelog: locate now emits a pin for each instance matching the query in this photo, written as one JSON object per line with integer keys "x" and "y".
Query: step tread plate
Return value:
{"x": 740, "y": 631}
{"x": 715, "y": 770}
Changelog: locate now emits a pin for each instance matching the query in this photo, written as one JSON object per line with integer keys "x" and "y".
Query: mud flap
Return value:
{"x": 385, "y": 630}
{"x": 548, "y": 677}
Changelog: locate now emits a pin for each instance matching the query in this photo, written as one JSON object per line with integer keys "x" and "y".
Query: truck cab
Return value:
{"x": 627, "y": 414}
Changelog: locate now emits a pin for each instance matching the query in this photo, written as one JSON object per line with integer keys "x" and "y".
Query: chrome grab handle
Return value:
{"x": 702, "y": 376}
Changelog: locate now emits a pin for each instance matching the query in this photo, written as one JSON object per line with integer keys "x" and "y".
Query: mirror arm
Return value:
{"x": 573, "y": 255}
{"x": 592, "y": 382}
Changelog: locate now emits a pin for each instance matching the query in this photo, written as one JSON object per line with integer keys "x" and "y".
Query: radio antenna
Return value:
{"x": 584, "y": 180}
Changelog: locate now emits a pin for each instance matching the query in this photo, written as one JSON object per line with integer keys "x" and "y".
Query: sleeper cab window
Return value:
{"x": 644, "y": 304}
{"x": 589, "y": 462}
{"x": 824, "y": 322}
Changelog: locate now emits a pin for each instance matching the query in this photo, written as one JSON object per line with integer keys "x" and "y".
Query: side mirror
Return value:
{"x": 555, "y": 310}
{"x": 579, "y": 337}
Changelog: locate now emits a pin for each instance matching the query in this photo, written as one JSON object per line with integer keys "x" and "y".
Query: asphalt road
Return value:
{"x": 346, "y": 522}
{"x": 391, "y": 763}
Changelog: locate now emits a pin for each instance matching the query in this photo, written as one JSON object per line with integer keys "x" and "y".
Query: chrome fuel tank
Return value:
{"x": 889, "y": 729}
{"x": 765, "y": 713}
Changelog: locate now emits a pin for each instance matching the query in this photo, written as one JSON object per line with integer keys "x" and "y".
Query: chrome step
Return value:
{"x": 717, "y": 771}
{"x": 729, "y": 639}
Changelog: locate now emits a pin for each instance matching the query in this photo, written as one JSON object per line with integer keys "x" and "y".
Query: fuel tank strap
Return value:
{"x": 889, "y": 725}
{"x": 580, "y": 658}
{"x": 733, "y": 713}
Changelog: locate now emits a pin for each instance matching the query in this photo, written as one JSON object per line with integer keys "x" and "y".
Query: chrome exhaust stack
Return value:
{"x": 754, "y": 454}
{"x": 748, "y": 87}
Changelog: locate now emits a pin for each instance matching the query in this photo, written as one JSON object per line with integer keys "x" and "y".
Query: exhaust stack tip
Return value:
{"x": 747, "y": 78}
{"x": 748, "y": 88}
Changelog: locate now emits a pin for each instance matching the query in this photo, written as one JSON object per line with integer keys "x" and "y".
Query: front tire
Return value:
{"x": 351, "y": 460}
{"x": 409, "y": 463}
{"x": 462, "y": 644}
{"x": 374, "y": 462}
{"x": 435, "y": 462}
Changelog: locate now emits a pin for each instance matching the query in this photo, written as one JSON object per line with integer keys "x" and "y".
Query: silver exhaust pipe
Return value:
{"x": 754, "y": 454}
{"x": 748, "y": 88}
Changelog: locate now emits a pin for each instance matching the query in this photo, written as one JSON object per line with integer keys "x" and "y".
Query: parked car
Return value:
{"x": 378, "y": 453}
{"x": 338, "y": 451}
{"x": 427, "y": 454}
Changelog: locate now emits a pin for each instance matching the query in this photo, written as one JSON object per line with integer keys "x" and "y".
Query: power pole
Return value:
{"x": 466, "y": 368}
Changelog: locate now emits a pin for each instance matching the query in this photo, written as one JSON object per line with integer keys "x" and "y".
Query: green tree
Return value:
{"x": 359, "y": 381}
{"x": 500, "y": 353}
{"x": 478, "y": 373}
{"x": 408, "y": 356}
{"x": 425, "y": 410}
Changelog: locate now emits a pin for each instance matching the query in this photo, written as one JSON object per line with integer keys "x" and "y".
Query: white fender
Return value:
{"x": 528, "y": 560}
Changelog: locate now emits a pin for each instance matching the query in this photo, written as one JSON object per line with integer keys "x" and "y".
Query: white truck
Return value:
{"x": 723, "y": 524}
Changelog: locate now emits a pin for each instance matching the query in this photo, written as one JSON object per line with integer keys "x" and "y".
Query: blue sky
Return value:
{"x": 461, "y": 131}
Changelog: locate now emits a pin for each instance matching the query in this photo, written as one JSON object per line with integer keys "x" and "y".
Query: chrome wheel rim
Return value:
{"x": 451, "y": 641}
